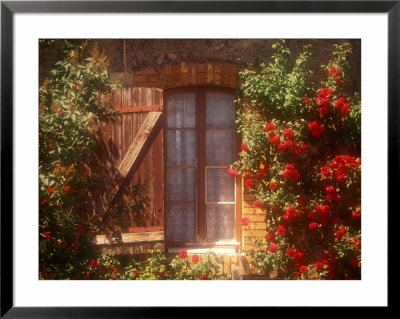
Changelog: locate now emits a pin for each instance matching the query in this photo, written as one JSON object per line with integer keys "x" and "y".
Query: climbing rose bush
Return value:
{"x": 300, "y": 160}
{"x": 72, "y": 104}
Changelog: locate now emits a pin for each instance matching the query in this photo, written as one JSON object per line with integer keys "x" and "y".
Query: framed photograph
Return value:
{"x": 148, "y": 146}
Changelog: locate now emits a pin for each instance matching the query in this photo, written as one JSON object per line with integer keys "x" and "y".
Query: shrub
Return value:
{"x": 301, "y": 162}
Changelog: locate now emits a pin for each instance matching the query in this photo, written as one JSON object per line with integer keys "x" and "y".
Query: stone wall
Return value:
{"x": 153, "y": 53}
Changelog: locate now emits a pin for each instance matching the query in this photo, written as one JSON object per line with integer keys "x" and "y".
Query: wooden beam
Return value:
{"x": 134, "y": 109}
{"x": 131, "y": 238}
{"x": 147, "y": 131}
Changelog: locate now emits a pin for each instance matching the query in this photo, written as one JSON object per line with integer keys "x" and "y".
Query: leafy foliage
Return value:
{"x": 301, "y": 161}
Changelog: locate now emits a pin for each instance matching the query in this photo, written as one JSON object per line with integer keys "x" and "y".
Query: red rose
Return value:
{"x": 271, "y": 135}
{"x": 232, "y": 172}
{"x": 182, "y": 254}
{"x": 325, "y": 92}
{"x": 272, "y": 248}
{"x": 302, "y": 200}
{"x": 339, "y": 235}
{"x": 313, "y": 226}
{"x": 325, "y": 254}
{"x": 303, "y": 269}
{"x": 330, "y": 189}
{"x": 299, "y": 255}
{"x": 290, "y": 252}
{"x": 288, "y": 133}
{"x": 94, "y": 264}
{"x": 44, "y": 202}
{"x": 333, "y": 71}
{"x": 67, "y": 189}
{"x": 330, "y": 196}
{"x": 244, "y": 147}
{"x": 287, "y": 217}
{"x": 305, "y": 147}
{"x": 249, "y": 183}
{"x": 40, "y": 134}
{"x": 275, "y": 140}
{"x": 340, "y": 178}
{"x": 137, "y": 273}
{"x": 340, "y": 102}
{"x": 195, "y": 259}
{"x": 297, "y": 150}
{"x": 325, "y": 171}
{"x": 47, "y": 235}
{"x": 115, "y": 271}
{"x": 272, "y": 186}
{"x": 261, "y": 174}
{"x": 323, "y": 110}
{"x": 245, "y": 221}
{"x": 79, "y": 229}
{"x": 271, "y": 236}
{"x": 51, "y": 189}
{"x": 203, "y": 278}
{"x": 257, "y": 203}
{"x": 306, "y": 100}
{"x": 346, "y": 109}
{"x": 269, "y": 127}
{"x": 60, "y": 113}
{"x": 356, "y": 215}
{"x": 338, "y": 81}
{"x": 354, "y": 262}
{"x": 291, "y": 172}
{"x": 315, "y": 128}
{"x": 296, "y": 274}
{"x": 281, "y": 230}
{"x": 319, "y": 265}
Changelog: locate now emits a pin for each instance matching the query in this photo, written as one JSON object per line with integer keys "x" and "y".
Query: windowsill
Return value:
{"x": 220, "y": 248}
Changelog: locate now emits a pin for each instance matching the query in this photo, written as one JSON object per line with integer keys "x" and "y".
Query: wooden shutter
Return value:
{"x": 134, "y": 145}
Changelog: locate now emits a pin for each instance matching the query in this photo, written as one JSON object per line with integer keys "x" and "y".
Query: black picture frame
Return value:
{"x": 9, "y": 8}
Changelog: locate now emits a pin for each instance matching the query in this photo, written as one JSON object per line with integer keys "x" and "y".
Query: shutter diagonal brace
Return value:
{"x": 147, "y": 131}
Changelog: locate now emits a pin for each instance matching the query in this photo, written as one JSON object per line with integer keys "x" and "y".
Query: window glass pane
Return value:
{"x": 220, "y": 110}
{"x": 181, "y": 184}
{"x": 182, "y": 111}
{"x": 181, "y": 147}
{"x": 220, "y": 147}
{"x": 220, "y": 221}
{"x": 182, "y": 222}
{"x": 220, "y": 185}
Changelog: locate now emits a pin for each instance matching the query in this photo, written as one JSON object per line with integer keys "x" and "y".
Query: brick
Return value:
{"x": 140, "y": 78}
{"x": 248, "y": 197}
{"x": 192, "y": 74}
{"x": 259, "y": 226}
{"x": 259, "y": 211}
{"x": 248, "y": 211}
{"x": 184, "y": 68}
{"x": 255, "y": 218}
{"x": 148, "y": 71}
{"x": 233, "y": 82}
{"x": 255, "y": 233}
{"x": 217, "y": 79}
{"x": 210, "y": 73}
{"x": 185, "y": 79}
{"x": 201, "y": 78}
{"x": 226, "y": 73}
{"x": 152, "y": 78}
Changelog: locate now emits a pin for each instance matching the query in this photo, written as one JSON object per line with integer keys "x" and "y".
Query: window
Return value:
{"x": 200, "y": 142}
